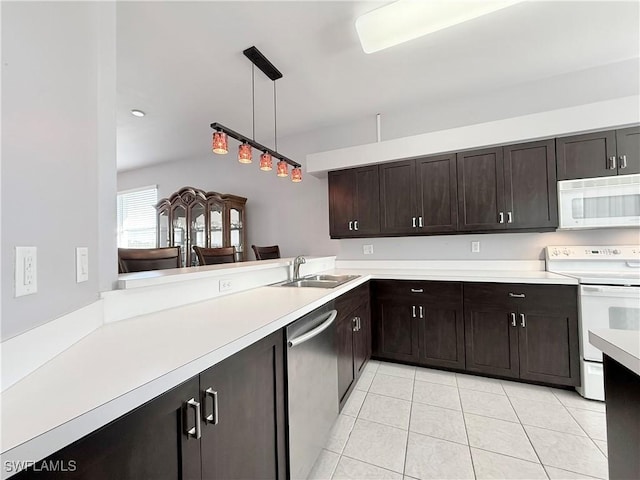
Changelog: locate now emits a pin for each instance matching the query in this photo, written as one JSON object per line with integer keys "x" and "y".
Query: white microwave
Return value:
{"x": 599, "y": 202}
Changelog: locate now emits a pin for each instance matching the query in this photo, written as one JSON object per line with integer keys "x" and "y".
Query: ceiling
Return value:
{"x": 182, "y": 63}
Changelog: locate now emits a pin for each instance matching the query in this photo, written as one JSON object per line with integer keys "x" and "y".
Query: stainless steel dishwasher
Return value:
{"x": 312, "y": 376}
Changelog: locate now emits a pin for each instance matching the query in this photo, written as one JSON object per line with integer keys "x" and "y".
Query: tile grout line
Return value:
{"x": 587, "y": 433}
{"x": 466, "y": 432}
{"x": 406, "y": 445}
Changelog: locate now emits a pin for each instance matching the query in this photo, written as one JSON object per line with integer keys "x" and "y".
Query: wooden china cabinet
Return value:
{"x": 192, "y": 217}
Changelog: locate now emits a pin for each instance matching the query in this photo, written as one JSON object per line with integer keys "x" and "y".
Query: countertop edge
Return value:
{"x": 609, "y": 342}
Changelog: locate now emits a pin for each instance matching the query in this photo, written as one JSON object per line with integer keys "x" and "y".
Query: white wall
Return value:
{"x": 296, "y": 216}
{"x": 58, "y": 144}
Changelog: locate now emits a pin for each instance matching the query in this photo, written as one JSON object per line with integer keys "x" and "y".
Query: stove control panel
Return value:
{"x": 592, "y": 252}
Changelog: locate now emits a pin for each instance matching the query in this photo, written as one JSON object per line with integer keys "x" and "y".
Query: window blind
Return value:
{"x": 137, "y": 218}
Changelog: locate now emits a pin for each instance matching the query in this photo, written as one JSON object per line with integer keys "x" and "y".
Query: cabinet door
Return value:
{"x": 367, "y": 201}
{"x": 481, "y": 190}
{"x": 398, "y": 197}
{"x": 341, "y": 203}
{"x": 491, "y": 340}
{"x": 149, "y": 442}
{"x": 346, "y": 373}
{"x": 249, "y": 439}
{"x": 395, "y": 330}
{"x": 548, "y": 333}
{"x": 530, "y": 185}
{"x": 628, "y": 147}
{"x": 362, "y": 339}
{"x": 437, "y": 194}
{"x": 441, "y": 341}
{"x": 586, "y": 156}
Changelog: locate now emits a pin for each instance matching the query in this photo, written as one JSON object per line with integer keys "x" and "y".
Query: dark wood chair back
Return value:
{"x": 266, "y": 253}
{"x": 213, "y": 256}
{"x": 143, "y": 259}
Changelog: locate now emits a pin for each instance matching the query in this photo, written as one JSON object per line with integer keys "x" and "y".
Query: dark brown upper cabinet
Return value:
{"x": 354, "y": 208}
{"x": 419, "y": 196}
{"x": 504, "y": 188}
{"x": 601, "y": 154}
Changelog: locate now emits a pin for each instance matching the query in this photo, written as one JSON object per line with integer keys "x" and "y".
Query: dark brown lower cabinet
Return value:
{"x": 419, "y": 322}
{"x": 243, "y": 438}
{"x": 523, "y": 331}
{"x": 353, "y": 332}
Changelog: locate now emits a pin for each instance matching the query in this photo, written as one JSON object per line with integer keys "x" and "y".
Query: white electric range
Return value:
{"x": 609, "y": 297}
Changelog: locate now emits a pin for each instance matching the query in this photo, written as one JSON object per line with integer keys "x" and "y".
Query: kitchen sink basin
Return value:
{"x": 320, "y": 281}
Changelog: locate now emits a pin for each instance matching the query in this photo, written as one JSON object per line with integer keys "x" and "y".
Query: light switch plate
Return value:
{"x": 367, "y": 249}
{"x": 82, "y": 264}
{"x": 475, "y": 247}
{"x": 225, "y": 284}
{"x": 26, "y": 271}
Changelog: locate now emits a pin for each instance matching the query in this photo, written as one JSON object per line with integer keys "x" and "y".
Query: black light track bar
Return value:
{"x": 260, "y": 61}
{"x": 258, "y": 146}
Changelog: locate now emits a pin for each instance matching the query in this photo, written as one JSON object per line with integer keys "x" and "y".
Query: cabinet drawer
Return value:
{"x": 420, "y": 291}
{"x": 348, "y": 302}
{"x": 532, "y": 297}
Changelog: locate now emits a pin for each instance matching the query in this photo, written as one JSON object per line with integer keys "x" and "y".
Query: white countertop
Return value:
{"x": 124, "y": 364}
{"x": 621, "y": 345}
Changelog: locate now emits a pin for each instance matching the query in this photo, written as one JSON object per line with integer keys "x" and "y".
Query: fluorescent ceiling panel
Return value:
{"x": 406, "y": 20}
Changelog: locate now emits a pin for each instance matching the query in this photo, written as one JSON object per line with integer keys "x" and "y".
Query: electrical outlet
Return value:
{"x": 225, "y": 284}
{"x": 82, "y": 264}
{"x": 26, "y": 271}
{"x": 367, "y": 249}
{"x": 475, "y": 247}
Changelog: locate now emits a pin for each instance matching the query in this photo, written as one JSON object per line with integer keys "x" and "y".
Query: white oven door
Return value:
{"x": 606, "y": 307}
{"x": 599, "y": 202}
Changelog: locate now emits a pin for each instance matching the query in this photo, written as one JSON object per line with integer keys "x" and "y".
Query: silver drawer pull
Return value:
{"x": 354, "y": 320}
{"x": 501, "y": 217}
{"x": 194, "y": 431}
{"x": 213, "y": 416}
{"x": 414, "y": 222}
{"x": 421, "y": 311}
{"x": 513, "y": 319}
{"x": 509, "y": 217}
{"x": 414, "y": 311}
{"x": 351, "y": 225}
{"x": 516, "y": 295}
{"x": 420, "y": 224}
{"x": 417, "y": 290}
{"x": 612, "y": 163}
{"x": 355, "y": 224}
{"x": 623, "y": 161}
{"x": 522, "y": 322}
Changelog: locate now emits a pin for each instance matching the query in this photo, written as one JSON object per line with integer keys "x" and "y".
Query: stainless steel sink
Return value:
{"x": 320, "y": 281}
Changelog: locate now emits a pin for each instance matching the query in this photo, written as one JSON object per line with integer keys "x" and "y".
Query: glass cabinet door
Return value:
{"x": 216, "y": 234}
{"x": 198, "y": 232}
{"x": 180, "y": 231}
{"x": 236, "y": 225}
{"x": 163, "y": 229}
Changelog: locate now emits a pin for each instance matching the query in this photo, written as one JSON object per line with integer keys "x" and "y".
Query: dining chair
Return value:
{"x": 213, "y": 256}
{"x": 143, "y": 259}
{"x": 266, "y": 253}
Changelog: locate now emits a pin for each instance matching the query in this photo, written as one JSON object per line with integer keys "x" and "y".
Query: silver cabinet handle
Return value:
{"x": 331, "y": 316}
{"x": 509, "y": 217}
{"x": 420, "y": 221}
{"x": 355, "y": 224}
{"x": 522, "y": 322}
{"x": 354, "y": 320}
{"x": 623, "y": 161}
{"x": 513, "y": 319}
{"x": 612, "y": 163}
{"x": 417, "y": 290}
{"x": 350, "y": 225}
{"x": 359, "y": 323}
{"x": 194, "y": 431}
{"x": 414, "y": 222}
{"x": 213, "y": 416}
{"x": 501, "y": 217}
{"x": 516, "y": 295}
{"x": 421, "y": 311}
{"x": 414, "y": 311}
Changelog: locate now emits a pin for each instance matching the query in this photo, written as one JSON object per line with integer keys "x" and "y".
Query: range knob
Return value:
{"x": 566, "y": 252}
{"x": 616, "y": 251}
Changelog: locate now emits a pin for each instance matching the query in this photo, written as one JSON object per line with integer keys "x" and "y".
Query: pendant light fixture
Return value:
{"x": 221, "y": 133}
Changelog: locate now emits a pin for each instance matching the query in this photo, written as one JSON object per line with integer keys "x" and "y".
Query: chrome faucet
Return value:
{"x": 296, "y": 267}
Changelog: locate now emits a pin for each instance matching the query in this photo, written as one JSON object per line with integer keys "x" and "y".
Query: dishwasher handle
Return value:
{"x": 331, "y": 316}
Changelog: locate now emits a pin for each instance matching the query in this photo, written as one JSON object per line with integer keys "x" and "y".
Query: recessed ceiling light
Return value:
{"x": 406, "y": 20}
{"x": 138, "y": 113}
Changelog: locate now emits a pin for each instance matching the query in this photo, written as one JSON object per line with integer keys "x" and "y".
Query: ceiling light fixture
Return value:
{"x": 406, "y": 20}
{"x": 221, "y": 133}
{"x": 137, "y": 113}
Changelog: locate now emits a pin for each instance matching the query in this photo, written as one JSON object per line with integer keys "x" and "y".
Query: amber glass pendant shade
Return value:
{"x": 220, "y": 143}
{"x": 244, "y": 153}
{"x": 266, "y": 162}
{"x": 283, "y": 169}
{"x": 296, "y": 175}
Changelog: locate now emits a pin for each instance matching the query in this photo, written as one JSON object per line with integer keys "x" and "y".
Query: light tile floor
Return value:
{"x": 405, "y": 423}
